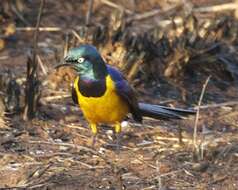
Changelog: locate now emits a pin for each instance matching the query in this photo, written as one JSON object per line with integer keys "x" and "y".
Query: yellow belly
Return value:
{"x": 107, "y": 109}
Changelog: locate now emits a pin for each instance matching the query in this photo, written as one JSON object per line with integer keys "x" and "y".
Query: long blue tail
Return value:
{"x": 163, "y": 112}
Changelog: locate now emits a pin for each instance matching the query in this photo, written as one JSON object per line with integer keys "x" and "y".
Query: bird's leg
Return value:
{"x": 118, "y": 134}
{"x": 94, "y": 129}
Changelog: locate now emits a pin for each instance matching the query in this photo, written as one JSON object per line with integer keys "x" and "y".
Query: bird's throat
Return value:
{"x": 91, "y": 87}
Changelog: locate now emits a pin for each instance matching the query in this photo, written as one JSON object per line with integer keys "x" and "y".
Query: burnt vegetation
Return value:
{"x": 177, "y": 53}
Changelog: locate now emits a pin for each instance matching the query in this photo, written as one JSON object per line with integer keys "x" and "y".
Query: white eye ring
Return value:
{"x": 81, "y": 60}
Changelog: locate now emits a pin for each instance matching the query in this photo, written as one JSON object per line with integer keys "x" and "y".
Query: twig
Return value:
{"x": 198, "y": 112}
{"x": 128, "y": 175}
{"x": 145, "y": 143}
{"x": 89, "y": 12}
{"x": 159, "y": 180}
{"x": 188, "y": 173}
{"x": 56, "y": 97}
{"x": 145, "y": 15}
{"x": 38, "y": 172}
{"x": 32, "y": 83}
{"x": 229, "y": 103}
{"x": 19, "y": 15}
{"x": 77, "y": 36}
{"x": 106, "y": 160}
{"x": 37, "y": 186}
{"x": 24, "y": 186}
{"x": 77, "y": 127}
{"x": 227, "y": 115}
{"x": 135, "y": 67}
{"x": 114, "y": 5}
{"x": 64, "y": 144}
{"x": 219, "y": 179}
{"x": 89, "y": 166}
{"x": 4, "y": 57}
{"x": 41, "y": 29}
{"x": 114, "y": 167}
{"x": 171, "y": 173}
{"x": 143, "y": 161}
{"x": 66, "y": 44}
{"x": 217, "y": 8}
{"x": 152, "y": 13}
{"x": 36, "y": 35}
{"x": 43, "y": 68}
{"x": 59, "y": 106}
{"x": 150, "y": 187}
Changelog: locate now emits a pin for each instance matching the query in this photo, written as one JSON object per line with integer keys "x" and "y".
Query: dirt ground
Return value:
{"x": 53, "y": 151}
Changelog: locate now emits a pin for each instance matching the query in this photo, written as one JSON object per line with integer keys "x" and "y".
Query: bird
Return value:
{"x": 105, "y": 96}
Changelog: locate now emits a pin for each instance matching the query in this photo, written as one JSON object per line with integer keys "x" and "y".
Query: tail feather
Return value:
{"x": 163, "y": 112}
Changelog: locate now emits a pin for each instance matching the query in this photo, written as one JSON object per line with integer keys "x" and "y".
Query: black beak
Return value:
{"x": 63, "y": 65}
{"x": 67, "y": 62}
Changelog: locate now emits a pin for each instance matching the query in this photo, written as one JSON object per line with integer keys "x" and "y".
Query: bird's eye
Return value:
{"x": 81, "y": 60}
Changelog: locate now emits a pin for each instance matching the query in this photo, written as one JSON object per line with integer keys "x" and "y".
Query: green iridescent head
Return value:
{"x": 86, "y": 61}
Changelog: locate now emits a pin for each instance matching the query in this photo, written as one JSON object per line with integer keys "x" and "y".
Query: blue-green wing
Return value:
{"x": 125, "y": 91}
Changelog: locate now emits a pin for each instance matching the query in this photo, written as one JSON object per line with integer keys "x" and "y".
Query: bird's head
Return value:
{"x": 86, "y": 61}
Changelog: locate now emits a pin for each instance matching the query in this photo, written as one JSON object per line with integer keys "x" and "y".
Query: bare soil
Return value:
{"x": 53, "y": 151}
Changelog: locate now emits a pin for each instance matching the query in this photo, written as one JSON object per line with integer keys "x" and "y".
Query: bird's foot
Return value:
{"x": 118, "y": 136}
{"x": 115, "y": 144}
{"x": 118, "y": 140}
{"x": 94, "y": 139}
{"x": 93, "y": 127}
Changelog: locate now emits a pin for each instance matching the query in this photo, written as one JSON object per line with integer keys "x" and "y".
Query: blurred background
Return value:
{"x": 167, "y": 49}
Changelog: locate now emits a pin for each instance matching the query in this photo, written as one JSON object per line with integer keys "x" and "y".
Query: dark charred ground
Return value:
{"x": 167, "y": 64}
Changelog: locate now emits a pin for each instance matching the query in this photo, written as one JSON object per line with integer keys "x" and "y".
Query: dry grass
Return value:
{"x": 151, "y": 41}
